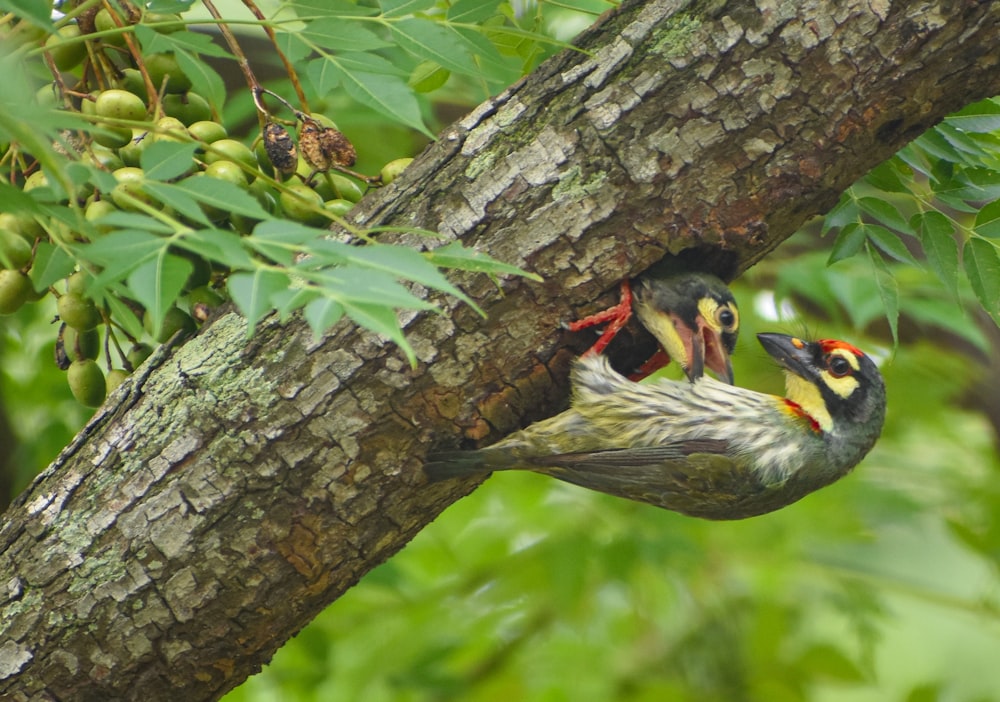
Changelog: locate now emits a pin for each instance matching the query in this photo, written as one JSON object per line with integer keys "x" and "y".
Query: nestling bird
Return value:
{"x": 693, "y": 316}
{"x": 705, "y": 449}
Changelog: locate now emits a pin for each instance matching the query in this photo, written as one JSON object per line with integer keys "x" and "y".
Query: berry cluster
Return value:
{"x": 141, "y": 137}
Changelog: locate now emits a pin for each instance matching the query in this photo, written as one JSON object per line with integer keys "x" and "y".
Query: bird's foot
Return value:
{"x": 615, "y": 317}
{"x": 657, "y": 361}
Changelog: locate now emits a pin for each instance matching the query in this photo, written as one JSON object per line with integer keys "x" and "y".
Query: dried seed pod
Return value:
{"x": 340, "y": 149}
{"x": 325, "y": 147}
{"x": 280, "y": 148}
{"x": 311, "y": 146}
{"x": 62, "y": 358}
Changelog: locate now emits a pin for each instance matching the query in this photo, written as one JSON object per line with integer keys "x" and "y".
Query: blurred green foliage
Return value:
{"x": 881, "y": 587}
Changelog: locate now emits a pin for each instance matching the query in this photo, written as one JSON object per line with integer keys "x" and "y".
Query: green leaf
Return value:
{"x": 844, "y": 212}
{"x": 337, "y": 35}
{"x": 427, "y": 39}
{"x": 335, "y": 8}
{"x": 938, "y": 147}
{"x": 286, "y": 232}
{"x": 133, "y": 220}
{"x": 472, "y": 11}
{"x": 252, "y": 293}
{"x": 495, "y": 68}
{"x": 179, "y": 199}
{"x": 983, "y": 116}
{"x": 219, "y": 246}
{"x": 381, "y": 320}
{"x": 982, "y": 267}
{"x": 401, "y": 8}
{"x": 292, "y": 46}
{"x": 370, "y": 80}
{"x": 15, "y": 200}
{"x": 890, "y": 243}
{"x": 287, "y": 301}
{"x": 365, "y": 286}
{"x": 164, "y": 160}
{"x": 38, "y": 13}
{"x": 885, "y": 213}
{"x": 124, "y": 315}
{"x": 165, "y": 6}
{"x": 321, "y": 314}
{"x": 355, "y": 61}
{"x": 408, "y": 264}
{"x": 888, "y": 177}
{"x": 282, "y": 240}
{"x": 157, "y": 283}
{"x": 988, "y": 220}
{"x": 129, "y": 245}
{"x": 388, "y": 95}
{"x": 51, "y": 264}
{"x": 888, "y": 290}
{"x": 455, "y": 255}
{"x": 222, "y": 195}
{"x": 204, "y": 79}
{"x": 848, "y": 242}
{"x": 154, "y": 42}
{"x": 937, "y": 237}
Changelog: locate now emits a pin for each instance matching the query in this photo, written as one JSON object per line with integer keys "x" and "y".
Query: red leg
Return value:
{"x": 657, "y": 361}
{"x": 616, "y": 317}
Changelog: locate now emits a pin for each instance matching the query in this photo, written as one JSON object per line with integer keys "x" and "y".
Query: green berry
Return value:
{"x": 15, "y": 252}
{"x": 66, "y": 55}
{"x": 300, "y": 202}
{"x": 165, "y": 67}
{"x": 339, "y": 207}
{"x": 78, "y": 312}
{"x": 138, "y": 354}
{"x": 15, "y": 290}
{"x": 207, "y": 131}
{"x": 116, "y": 376}
{"x": 81, "y": 345}
{"x": 188, "y": 107}
{"x": 130, "y": 181}
{"x": 231, "y": 150}
{"x": 120, "y": 104}
{"x": 86, "y": 382}
{"x": 391, "y": 170}
{"x": 174, "y": 321}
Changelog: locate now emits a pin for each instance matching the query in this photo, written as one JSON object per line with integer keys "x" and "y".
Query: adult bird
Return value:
{"x": 692, "y": 315}
{"x": 702, "y": 448}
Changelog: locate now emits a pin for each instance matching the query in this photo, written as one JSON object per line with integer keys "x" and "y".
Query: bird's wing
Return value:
{"x": 698, "y": 477}
{"x": 641, "y": 456}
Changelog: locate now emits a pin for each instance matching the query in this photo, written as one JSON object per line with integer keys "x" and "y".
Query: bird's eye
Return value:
{"x": 838, "y": 365}
{"x": 726, "y": 317}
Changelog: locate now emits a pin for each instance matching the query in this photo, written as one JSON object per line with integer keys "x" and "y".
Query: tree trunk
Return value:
{"x": 233, "y": 488}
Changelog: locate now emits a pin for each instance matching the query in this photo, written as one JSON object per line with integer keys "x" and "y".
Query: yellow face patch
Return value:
{"x": 711, "y": 311}
{"x": 807, "y": 396}
{"x": 843, "y": 384}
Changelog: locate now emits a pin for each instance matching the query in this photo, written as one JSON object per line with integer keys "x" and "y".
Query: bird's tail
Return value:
{"x": 443, "y": 465}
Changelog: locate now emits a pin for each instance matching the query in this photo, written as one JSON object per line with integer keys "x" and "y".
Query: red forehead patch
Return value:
{"x": 829, "y": 345}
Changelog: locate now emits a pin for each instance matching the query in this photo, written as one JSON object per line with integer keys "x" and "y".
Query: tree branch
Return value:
{"x": 234, "y": 488}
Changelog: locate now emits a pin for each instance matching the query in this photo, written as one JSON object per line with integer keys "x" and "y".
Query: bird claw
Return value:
{"x": 616, "y": 317}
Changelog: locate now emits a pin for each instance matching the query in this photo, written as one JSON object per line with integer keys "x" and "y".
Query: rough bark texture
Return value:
{"x": 233, "y": 489}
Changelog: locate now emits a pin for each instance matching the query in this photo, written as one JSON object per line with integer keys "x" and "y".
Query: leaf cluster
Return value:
{"x": 939, "y": 197}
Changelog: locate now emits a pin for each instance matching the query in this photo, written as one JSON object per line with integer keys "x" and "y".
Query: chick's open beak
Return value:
{"x": 714, "y": 352}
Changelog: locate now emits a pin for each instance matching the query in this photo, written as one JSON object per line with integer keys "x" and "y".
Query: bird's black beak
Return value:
{"x": 792, "y": 353}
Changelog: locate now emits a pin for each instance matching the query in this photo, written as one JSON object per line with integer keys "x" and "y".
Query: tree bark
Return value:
{"x": 233, "y": 488}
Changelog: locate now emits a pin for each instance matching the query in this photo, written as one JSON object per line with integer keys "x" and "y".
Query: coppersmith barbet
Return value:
{"x": 702, "y": 448}
{"x": 692, "y": 315}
